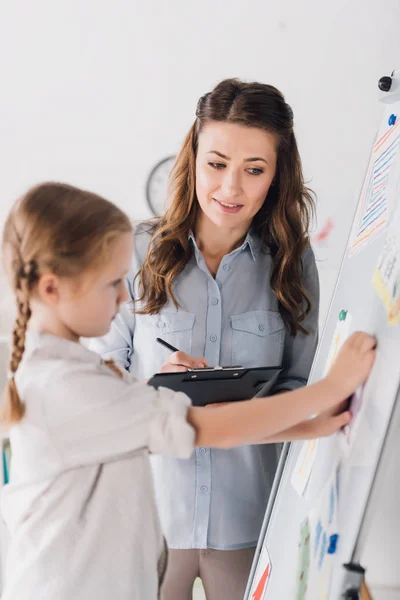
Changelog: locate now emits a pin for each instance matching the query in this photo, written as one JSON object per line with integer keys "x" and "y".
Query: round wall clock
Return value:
{"x": 156, "y": 187}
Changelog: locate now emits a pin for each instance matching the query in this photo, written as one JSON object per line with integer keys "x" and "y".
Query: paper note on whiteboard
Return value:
{"x": 304, "y": 464}
{"x": 262, "y": 576}
{"x": 377, "y": 194}
{"x": 342, "y": 332}
{"x": 386, "y": 277}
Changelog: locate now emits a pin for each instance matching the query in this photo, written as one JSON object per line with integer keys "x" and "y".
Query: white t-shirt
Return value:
{"x": 80, "y": 506}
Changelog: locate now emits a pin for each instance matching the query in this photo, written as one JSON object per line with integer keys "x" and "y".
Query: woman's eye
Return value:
{"x": 216, "y": 165}
{"x": 255, "y": 171}
{"x": 116, "y": 283}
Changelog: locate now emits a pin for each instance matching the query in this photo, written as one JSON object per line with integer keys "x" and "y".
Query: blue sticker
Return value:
{"x": 318, "y": 531}
{"x": 324, "y": 544}
{"x": 333, "y": 543}
{"x": 392, "y": 120}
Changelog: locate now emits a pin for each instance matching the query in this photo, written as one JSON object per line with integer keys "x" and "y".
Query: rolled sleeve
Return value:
{"x": 298, "y": 354}
{"x": 170, "y": 433}
{"x": 98, "y": 417}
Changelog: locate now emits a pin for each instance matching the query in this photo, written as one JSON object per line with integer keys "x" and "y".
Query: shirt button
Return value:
{"x": 213, "y": 338}
{"x": 226, "y": 267}
{"x": 261, "y": 327}
{"x": 161, "y": 324}
{"x": 204, "y": 489}
{"x": 214, "y": 301}
{"x": 203, "y": 450}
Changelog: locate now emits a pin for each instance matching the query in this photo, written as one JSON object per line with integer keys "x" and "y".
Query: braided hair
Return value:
{"x": 58, "y": 228}
{"x": 27, "y": 275}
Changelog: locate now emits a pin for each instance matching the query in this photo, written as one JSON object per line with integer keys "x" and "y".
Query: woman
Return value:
{"x": 226, "y": 274}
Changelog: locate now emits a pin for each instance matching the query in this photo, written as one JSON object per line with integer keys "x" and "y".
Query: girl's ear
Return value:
{"x": 48, "y": 289}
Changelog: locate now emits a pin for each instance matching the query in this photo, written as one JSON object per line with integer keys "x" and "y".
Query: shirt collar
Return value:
{"x": 252, "y": 241}
{"x": 53, "y": 346}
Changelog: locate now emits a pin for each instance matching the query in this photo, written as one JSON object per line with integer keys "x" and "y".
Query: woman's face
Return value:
{"x": 235, "y": 166}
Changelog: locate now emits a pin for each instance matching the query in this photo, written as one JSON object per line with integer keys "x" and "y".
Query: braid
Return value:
{"x": 13, "y": 408}
{"x": 21, "y": 322}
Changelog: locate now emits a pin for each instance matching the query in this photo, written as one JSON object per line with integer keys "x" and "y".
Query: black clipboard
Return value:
{"x": 220, "y": 384}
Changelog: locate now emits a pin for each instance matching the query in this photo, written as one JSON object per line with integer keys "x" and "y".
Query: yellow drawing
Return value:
{"x": 386, "y": 276}
{"x": 304, "y": 464}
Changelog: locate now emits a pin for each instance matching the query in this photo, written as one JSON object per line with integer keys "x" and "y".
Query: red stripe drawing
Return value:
{"x": 262, "y": 584}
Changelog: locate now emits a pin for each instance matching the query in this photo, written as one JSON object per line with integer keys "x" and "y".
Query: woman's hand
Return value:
{"x": 180, "y": 361}
{"x": 353, "y": 364}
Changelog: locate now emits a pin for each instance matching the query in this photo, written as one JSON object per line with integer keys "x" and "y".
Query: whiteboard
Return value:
{"x": 302, "y": 524}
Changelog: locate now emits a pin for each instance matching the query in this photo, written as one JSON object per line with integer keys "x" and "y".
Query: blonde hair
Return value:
{"x": 58, "y": 228}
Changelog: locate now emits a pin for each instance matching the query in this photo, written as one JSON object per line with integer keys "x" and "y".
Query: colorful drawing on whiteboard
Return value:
{"x": 386, "y": 276}
{"x": 262, "y": 576}
{"x": 303, "y": 563}
{"x": 323, "y": 540}
{"x": 376, "y": 195}
{"x": 304, "y": 464}
{"x": 342, "y": 332}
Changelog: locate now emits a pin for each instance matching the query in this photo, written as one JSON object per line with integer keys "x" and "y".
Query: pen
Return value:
{"x": 164, "y": 343}
{"x": 173, "y": 349}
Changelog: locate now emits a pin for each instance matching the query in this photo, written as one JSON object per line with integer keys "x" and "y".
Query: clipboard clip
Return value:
{"x": 212, "y": 369}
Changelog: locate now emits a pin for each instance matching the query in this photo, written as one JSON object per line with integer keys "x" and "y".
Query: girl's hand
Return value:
{"x": 180, "y": 361}
{"x": 326, "y": 423}
{"x": 353, "y": 364}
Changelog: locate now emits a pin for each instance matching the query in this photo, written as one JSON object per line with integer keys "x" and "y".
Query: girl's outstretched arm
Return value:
{"x": 251, "y": 421}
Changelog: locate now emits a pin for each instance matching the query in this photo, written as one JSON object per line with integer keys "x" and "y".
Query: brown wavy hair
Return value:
{"x": 58, "y": 228}
{"x": 282, "y": 222}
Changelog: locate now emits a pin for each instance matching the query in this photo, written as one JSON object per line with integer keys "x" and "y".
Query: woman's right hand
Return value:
{"x": 180, "y": 361}
{"x": 353, "y": 363}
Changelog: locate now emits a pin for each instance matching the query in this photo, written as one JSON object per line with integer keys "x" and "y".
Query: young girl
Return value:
{"x": 80, "y": 505}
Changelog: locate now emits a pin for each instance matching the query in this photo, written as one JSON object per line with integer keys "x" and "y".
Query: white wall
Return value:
{"x": 95, "y": 92}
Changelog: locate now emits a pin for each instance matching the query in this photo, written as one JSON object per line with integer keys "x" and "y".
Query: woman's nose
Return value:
{"x": 231, "y": 185}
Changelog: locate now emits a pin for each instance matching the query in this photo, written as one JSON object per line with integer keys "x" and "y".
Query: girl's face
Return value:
{"x": 235, "y": 166}
{"x": 86, "y": 308}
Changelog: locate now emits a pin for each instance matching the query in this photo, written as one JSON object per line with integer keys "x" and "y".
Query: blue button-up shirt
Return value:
{"x": 217, "y": 498}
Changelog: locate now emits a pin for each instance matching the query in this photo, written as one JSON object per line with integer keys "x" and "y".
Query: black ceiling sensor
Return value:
{"x": 385, "y": 83}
